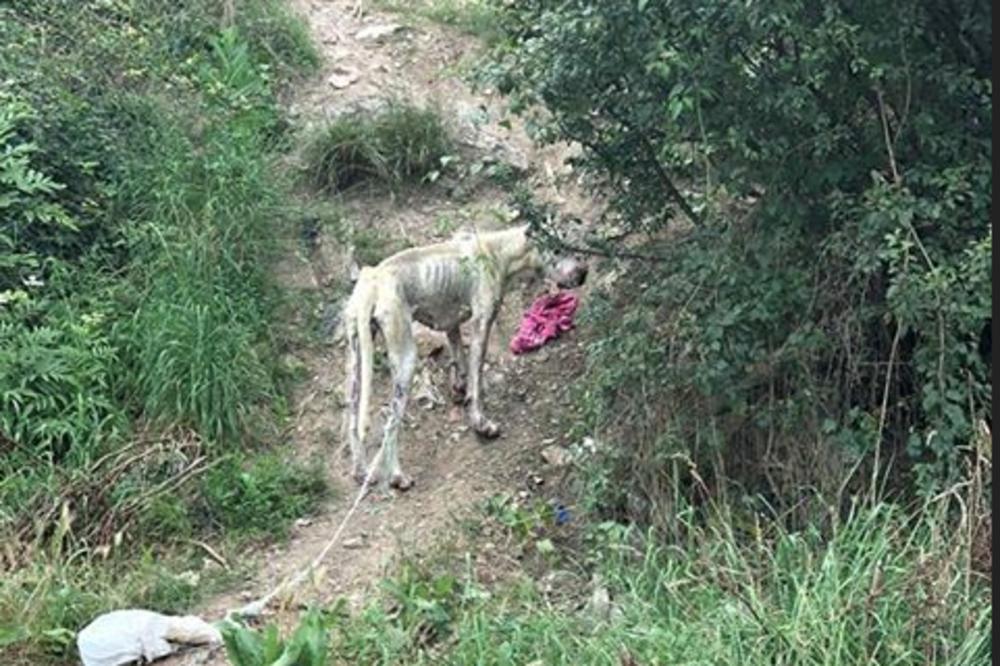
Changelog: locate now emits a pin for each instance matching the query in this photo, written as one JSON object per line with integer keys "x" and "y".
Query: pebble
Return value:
{"x": 376, "y": 32}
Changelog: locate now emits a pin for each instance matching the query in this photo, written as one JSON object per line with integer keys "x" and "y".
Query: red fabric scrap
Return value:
{"x": 547, "y": 317}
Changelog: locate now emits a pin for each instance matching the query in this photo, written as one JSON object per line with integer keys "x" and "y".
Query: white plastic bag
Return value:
{"x": 125, "y": 636}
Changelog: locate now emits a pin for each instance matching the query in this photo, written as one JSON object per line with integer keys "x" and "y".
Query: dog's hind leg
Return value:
{"x": 402, "y": 352}
{"x": 457, "y": 369}
{"x": 353, "y": 416}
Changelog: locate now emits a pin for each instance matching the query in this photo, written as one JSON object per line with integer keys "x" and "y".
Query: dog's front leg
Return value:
{"x": 477, "y": 354}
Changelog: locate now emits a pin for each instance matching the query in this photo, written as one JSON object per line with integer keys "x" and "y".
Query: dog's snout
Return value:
{"x": 571, "y": 273}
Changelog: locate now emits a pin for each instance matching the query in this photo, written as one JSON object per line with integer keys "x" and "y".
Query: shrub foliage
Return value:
{"x": 813, "y": 182}
{"x": 138, "y": 212}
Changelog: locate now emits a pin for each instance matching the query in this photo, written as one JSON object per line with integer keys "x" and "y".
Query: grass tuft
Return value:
{"x": 474, "y": 17}
{"x": 396, "y": 144}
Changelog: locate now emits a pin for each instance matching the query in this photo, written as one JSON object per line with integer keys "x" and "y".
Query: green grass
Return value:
{"x": 882, "y": 588}
{"x": 474, "y": 17}
{"x": 261, "y": 494}
{"x": 396, "y": 144}
{"x": 139, "y": 368}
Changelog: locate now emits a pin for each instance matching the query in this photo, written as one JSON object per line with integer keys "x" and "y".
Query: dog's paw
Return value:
{"x": 487, "y": 429}
{"x": 401, "y": 481}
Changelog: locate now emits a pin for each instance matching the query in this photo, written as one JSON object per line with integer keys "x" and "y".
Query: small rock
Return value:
{"x": 589, "y": 444}
{"x": 354, "y": 543}
{"x": 600, "y": 607}
{"x": 376, "y": 32}
{"x": 342, "y": 77}
{"x": 425, "y": 392}
{"x": 303, "y": 522}
{"x": 556, "y": 456}
{"x": 429, "y": 342}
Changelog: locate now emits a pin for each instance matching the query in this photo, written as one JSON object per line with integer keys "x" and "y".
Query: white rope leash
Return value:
{"x": 255, "y": 608}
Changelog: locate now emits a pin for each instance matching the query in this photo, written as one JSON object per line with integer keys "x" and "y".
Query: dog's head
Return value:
{"x": 565, "y": 269}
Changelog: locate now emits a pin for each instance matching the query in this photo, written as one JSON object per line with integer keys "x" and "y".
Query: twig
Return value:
{"x": 896, "y": 178}
{"x": 883, "y": 412}
{"x": 619, "y": 254}
{"x": 211, "y": 552}
{"x": 228, "y": 13}
{"x": 256, "y": 607}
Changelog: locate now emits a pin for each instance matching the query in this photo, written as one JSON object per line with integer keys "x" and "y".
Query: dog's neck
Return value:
{"x": 513, "y": 251}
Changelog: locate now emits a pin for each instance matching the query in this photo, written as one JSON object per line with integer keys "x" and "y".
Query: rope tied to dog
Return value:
{"x": 256, "y": 608}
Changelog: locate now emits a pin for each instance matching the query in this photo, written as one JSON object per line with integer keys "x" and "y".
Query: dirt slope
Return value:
{"x": 453, "y": 470}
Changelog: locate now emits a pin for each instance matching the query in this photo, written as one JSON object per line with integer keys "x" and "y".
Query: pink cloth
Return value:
{"x": 547, "y": 317}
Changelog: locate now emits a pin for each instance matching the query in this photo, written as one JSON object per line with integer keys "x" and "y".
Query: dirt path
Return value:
{"x": 453, "y": 470}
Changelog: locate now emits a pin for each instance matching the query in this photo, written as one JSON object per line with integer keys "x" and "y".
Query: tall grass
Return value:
{"x": 198, "y": 342}
{"x": 883, "y": 587}
{"x": 396, "y": 144}
{"x": 144, "y": 347}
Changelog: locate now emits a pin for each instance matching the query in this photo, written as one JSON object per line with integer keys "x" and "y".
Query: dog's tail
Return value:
{"x": 360, "y": 350}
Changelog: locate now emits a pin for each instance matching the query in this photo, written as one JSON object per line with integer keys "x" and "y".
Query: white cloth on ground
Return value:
{"x": 125, "y": 636}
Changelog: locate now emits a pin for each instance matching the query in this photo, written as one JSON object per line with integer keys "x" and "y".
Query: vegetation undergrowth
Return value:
{"x": 140, "y": 388}
{"x": 474, "y": 17}
{"x": 788, "y": 388}
{"x": 797, "y": 220}
{"x": 883, "y": 585}
{"x": 789, "y": 381}
{"x": 397, "y": 143}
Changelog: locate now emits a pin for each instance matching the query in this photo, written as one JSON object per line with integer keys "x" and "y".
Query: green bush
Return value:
{"x": 55, "y": 387}
{"x": 307, "y": 645}
{"x": 139, "y": 207}
{"x": 395, "y": 144}
{"x": 261, "y": 495}
{"x": 171, "y": 191}
{"x": 811, "y": 188}
{"x": 33, "y": 218}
